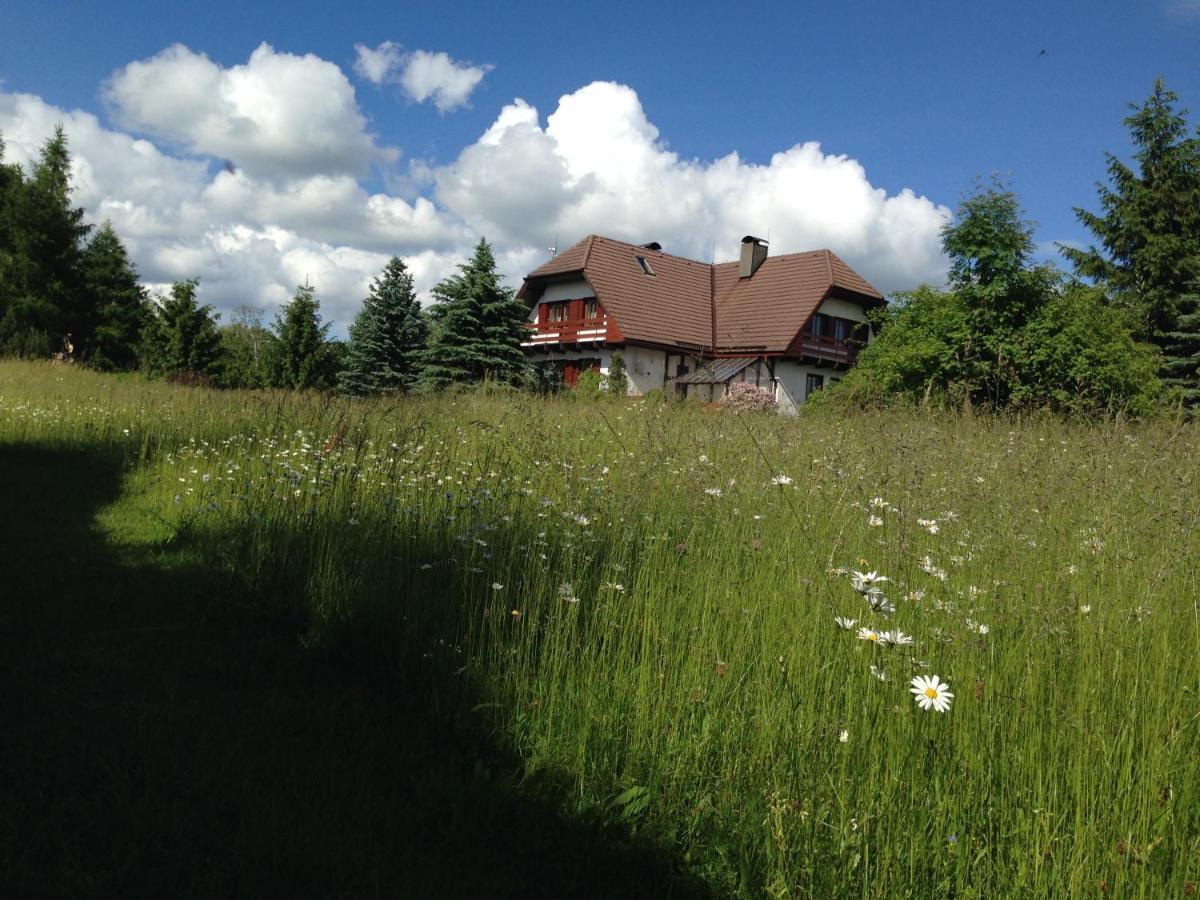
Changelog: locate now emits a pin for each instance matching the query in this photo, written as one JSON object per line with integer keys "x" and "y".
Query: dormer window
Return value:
{"x": 591, "y": 308}
{"x": 645, "y": 264}
{"x": 557, "y": 312}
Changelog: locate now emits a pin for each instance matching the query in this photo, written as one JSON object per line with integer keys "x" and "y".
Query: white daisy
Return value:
{"x": 874, "y": 521}
{"x": 781, "y": 480}
{"x": 863, "y": 581}
{"x": 879, "y": 673}
{"x": 895, "y": 638}
{"x": 713, "y": 491}
{"x": 844, "y": 736}
{"x": 880, "y": 603}
{"x": 866, "y": 634}
{"x": 843, "y": 623}
{"x": 931, "y": 693}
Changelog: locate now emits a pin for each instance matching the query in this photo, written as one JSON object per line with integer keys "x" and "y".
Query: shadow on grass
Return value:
{"x": 157, "y": 741}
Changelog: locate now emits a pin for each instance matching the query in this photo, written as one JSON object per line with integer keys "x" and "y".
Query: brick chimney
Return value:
{"x": 754, "y": 251}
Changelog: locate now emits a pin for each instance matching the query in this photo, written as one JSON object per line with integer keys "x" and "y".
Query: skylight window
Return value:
{"x": 644, "y": 263}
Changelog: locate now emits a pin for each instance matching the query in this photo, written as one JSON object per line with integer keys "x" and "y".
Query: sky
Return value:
{"x": 256, "y": 146}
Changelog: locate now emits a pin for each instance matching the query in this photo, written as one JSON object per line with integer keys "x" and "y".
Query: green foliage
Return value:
{"x": 386, "y": 337}
{"x": 247, "y": 351}
{"x": 120, "y": 305}
{"x": 617, "y": 381}
{"x": 1007, "y": 335}
{"x": 478, "y": 327}
{"x": 1181, "y": 349}
{"x": 182, "y": 339}
{"x": 545, "y": 378}
{"x": 1149, "y": 224}
{"x": 42, "y": 298}
{"x": 300, "y": 358}
{"x": 587, "y": 386}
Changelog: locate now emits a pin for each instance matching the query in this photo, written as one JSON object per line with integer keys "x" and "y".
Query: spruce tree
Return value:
{"x": 301, "y": 357}
{"x": 478, "y": 327}
{"x": 387, "y": 336}
{"x": 1149, "y": 224}
{"x": 182, "y": 337}
{"x": 46, "y": 298}
{"x": 119, "y": 305}
{"x": 1181, "y": 349}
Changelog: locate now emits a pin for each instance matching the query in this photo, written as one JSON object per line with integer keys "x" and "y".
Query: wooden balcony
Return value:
{"x": 829, "y": 349}
{"x": 570, "y": 331}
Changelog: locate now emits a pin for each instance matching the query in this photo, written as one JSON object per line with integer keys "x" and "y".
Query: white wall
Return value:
{"x": 843, "y": 309}
{"x": 563, "y": 290}
{"x": 791, "y": 379}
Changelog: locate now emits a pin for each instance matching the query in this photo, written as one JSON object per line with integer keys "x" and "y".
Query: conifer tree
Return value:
{"x": 119, "y": 305}
{"x": 478, "y": 327}
{"x": 1181, "y": 349}
{"x": 1149, "y": 224}
{"x": 182, "y": 337}
{"x": 301, "y": 357}
{"x": 45, "y": 294}
{"x": 387, "y": 336}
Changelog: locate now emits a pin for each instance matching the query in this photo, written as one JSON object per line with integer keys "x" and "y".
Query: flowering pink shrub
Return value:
{"x": 742, "y": 396}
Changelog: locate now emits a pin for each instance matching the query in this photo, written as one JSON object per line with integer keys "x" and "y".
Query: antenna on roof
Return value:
{"x": 554, "y": 250}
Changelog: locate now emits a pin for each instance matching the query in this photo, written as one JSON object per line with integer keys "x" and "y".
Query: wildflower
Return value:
{"x": 582, "y": 520}
{"x": 843, "y": 623}
{"x": 844, "y": 736}
{"x": 713, "y": 491}
{"x": 874, "y": 521}
{"x": 516, "y": 615}
{"x": 1085, "y": 608}
{"x": 879, "y": 673}
{"x": 880, "y": 603}
{"x": 929, "y": 525}
{"x": 879, "y": 503}
{"x": 895, "y": 638}
{"x": 931, "y": 693}
{"x": 614, "y": 586}
{"x": 866, "y": 634}
{"x": 863, "y": 581}
{"x": 927, "y": 566}
{"x": 781, "y": 480}
{"x": 976, "y": 627}
{"x": 497, "y": 586}
{"x": 567, "y": 593}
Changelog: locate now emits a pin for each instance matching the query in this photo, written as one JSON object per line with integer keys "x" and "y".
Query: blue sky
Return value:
{"x": 901, "y": 98}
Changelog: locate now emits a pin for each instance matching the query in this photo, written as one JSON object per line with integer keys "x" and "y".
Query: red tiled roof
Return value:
{"x": 676, "y": 305}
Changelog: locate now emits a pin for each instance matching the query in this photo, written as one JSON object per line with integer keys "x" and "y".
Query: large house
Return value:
{"x": 790, "y": 324}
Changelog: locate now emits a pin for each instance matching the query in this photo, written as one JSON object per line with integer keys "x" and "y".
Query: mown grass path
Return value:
{"x": 160, "y": 739}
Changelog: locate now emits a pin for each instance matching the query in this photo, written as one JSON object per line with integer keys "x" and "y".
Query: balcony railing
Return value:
{"x": 829, "y": 348}
{"x": 571, "y": 331}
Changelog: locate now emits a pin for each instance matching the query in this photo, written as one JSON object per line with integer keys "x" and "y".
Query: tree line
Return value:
{"x": 69, "y": 289}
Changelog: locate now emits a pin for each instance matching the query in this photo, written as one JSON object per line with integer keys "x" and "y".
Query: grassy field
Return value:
{"x": 496, "y": 646}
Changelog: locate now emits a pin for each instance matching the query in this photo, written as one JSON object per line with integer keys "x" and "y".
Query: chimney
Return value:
{"x": 754, "y": 251}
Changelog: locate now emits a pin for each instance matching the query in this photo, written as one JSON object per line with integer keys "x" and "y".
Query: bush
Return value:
{"x": 588, "y": 385}
{"x": 618, "y": 381}
{"x": 742, "y": 396}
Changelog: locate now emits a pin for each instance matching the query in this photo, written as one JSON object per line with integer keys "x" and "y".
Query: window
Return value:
{"x": 557, "y": 312}
{"x": 816, "y": 325}
{"x": 841, "y": 330}
{"x": 645, "y": 265}
{"x": 591, "y": 308}
{"x": 812, "y": 384}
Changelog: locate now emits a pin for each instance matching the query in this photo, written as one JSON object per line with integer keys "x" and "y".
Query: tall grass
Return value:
{"x": 640, "y": 601}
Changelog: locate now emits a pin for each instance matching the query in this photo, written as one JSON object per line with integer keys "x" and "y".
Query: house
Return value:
{"x": 790, "y": 324}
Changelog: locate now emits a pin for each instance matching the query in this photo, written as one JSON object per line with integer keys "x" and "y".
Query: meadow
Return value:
{"x": 682, "y": 642}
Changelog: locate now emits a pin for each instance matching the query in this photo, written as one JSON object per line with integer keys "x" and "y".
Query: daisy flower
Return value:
{"x": 874, "y": 521}
{"x": 866, "y": 634}
{"x": 895, "y": 638}
{"x": 781, "y": 480}
{"x": 880, "y": 603}
{"x": 864, "y": 581}
{"x": 843, "y": 623}
{"x": 879, "y": 673}
{"x": 931, "y": 693}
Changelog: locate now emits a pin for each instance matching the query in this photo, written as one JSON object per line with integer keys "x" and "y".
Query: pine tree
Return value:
{"x": 478, "y": 327}
{"x": 301, "y": 357}
{"x": 118, "y": 302}
{"x": 46, "y": 298}
{"x": 1149, "y": 227}
{"x": 182, "y": 338}
{"x": 387, "y": 336}
{"x": 1181, "y": 349}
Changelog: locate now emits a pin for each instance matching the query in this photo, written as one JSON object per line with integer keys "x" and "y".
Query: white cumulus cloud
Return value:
{"x": 598, "y": 166}
{"x": 276, "y": 115}
{"x": 422, "y": 74}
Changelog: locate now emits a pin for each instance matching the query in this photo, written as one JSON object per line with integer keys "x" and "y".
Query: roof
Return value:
{"x": 697, "y": 305}
{"x": 716, "y": 372}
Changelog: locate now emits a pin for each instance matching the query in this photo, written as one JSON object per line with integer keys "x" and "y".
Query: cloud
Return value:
{"x": 422, "y": 75}
{"x": 598, "y": 166}
{"x": 277, "y": 115}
